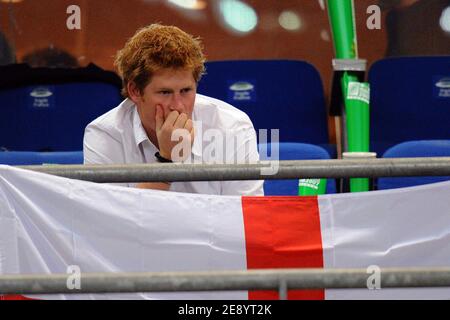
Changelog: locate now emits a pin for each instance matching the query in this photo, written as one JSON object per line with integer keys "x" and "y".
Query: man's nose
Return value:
{"x": 177, "y": 103}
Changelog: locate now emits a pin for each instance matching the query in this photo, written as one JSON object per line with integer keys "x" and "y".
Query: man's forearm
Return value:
{"x": 165, "y": 186}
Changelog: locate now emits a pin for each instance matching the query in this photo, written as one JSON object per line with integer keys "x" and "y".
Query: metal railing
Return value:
{"x": 266, "y": 279}
{"x": 396, "y": 167}
{"x": 281, "y": 280}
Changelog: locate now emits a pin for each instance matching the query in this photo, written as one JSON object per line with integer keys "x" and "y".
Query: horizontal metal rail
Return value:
{"x": 268, "y": 279}
{"x": 370, "y": 168}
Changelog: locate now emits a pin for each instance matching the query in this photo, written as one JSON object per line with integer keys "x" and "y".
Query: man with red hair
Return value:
{"x": 160, "y": 67}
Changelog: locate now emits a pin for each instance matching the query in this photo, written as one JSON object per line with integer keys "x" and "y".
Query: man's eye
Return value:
{"x": 186, "y": 90}
{"x": 164, "y": 92}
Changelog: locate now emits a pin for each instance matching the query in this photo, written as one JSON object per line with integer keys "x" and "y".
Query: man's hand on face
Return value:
{"x": 166, "y": 127}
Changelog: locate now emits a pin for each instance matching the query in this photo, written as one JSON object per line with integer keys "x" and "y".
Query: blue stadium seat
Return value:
{"x": 17, "y": 158}
{"x": 276, "y": 94}
{"x": 43, "y": 109}
{"x": 292, "y": 151}
{"x": 412, "y": 149}
{"x": 410, "y": 100}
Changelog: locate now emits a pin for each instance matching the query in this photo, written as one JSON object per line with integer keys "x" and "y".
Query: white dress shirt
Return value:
{"x": 223, "y": 134}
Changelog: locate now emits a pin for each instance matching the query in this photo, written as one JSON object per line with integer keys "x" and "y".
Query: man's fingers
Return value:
{"x": 192, "y": 135}
{"x": 171, "y": 118}
{"x": 159, "y": 117}
{"x": 189, "y": 125}
{"x": 181, "y": 121}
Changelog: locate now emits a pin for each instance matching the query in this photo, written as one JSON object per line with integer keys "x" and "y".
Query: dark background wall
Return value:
{"x": 408, "y": 27}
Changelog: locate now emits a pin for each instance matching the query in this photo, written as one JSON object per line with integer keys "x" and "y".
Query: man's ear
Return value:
{"x": 133, "y": 92}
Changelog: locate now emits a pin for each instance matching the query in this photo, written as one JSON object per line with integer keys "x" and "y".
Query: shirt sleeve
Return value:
{"x": 100, "y": 147}
{"x": 245, "y": 151}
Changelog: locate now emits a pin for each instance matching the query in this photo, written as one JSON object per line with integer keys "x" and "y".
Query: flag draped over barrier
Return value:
{"x": 48, "y": 223}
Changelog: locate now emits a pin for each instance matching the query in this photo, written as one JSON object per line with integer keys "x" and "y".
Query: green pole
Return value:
{"x": 312, "y": 187}
{"x": 355, "y": 93}
{"x": 342, "y": 23}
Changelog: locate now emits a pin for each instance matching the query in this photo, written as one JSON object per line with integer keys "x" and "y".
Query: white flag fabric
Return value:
{"x": 48, "y": 223}
{"x": 407, "y": 227}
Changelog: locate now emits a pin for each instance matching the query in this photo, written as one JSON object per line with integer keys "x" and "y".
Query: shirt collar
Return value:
{"x": 139, "y": 132}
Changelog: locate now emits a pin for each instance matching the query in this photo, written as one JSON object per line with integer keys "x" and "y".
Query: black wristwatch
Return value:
{"x": 162, "y": 159}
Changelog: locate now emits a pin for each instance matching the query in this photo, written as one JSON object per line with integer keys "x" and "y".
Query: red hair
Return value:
{"x": 158, "y": 47}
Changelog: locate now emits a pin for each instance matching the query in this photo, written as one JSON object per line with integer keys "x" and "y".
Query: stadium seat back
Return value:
{"x": 292, "y": 151}
{"x": 276, "y": 94}
{"x": 410, "y": 100}
{"x": 412, "y": 149}
{"x": 51, "y": 114}
{"x": 16, "y": 158}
